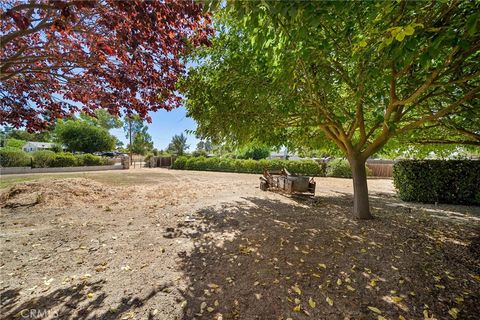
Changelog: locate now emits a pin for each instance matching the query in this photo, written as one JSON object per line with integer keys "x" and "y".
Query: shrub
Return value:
{"x": 180, "y": 163}
{"x": 199, "y": 153}
{"x": 339, "y": 168}
{"x": 88, "y": 159}
{"x": 15, "y": 143}
{"x": 14, "y": 158}
{"x": 64, "y": 159}
{"x": 43, "y": 158}
{"x": 306, "y": 167}
{"x": 443, "y": 181}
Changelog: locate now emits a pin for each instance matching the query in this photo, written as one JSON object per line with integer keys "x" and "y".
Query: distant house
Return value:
{"x": 32, "y": 146}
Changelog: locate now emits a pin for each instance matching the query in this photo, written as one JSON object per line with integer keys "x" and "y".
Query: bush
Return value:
{"x": 14, "y": 158}
{"x": 89, "y": 160}
{"x": 305, "y": 167}
{"x": 339, "y": 168}
{"x": 14, "y": 143}
{"x": 43, "y": 158}
{"x": 64, "y": 159}
{"x": 180, "y": 163}
{"x": 199, "y": 153}
{"x": 443, "y": 181}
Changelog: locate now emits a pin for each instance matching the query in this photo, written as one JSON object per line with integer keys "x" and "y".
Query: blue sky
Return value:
{"x": 164, "y": 125}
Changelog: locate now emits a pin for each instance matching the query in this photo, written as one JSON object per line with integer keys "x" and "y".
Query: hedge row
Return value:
{"x": 430, "y": 181}
{"x": 305, "y": 167}
{"x": 43, "y": 159}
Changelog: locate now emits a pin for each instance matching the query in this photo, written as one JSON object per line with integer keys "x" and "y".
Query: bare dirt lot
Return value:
{"x": 165, "y": 244}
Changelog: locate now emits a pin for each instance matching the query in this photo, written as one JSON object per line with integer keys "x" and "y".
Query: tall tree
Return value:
{"x": 178, "y": 145}
{"x": 82, "y": 136}
{"x": 59, "y": 57}
{"x": 351, "y": 74}
{"x": 103, "y": 119}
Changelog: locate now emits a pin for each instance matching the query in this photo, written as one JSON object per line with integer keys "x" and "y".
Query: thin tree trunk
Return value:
{"x": 361, "y": 206}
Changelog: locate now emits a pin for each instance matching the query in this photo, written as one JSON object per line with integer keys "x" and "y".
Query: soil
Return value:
{"x": 165, "y": 244}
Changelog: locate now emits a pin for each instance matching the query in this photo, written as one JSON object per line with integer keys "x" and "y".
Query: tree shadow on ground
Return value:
{"x": 309, "y": 259}
{"x": 78, "y": 301}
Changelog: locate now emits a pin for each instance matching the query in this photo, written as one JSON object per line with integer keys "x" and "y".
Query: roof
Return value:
{"x": 40, "y": 144}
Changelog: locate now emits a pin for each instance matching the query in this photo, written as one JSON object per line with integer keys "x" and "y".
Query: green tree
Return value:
{"x": 253, "y": 152}
{"x": 349, "y": 75}
{"x": 136, "y": 132}
{"x": 178, "y": 145}
{"x": 142, "y": 142}
{"x": 81, "y": 136}
{"x": 103, "y": 118}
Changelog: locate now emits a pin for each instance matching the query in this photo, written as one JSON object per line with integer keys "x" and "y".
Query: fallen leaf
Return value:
{"x": 339, "y": 282}
{"x": 322, "y": 265}
{"x": 90, "y": 295}
{"x": 213, "y": 285}
{"x": 297, "y": 289}
{"x": 329, "y": 301}
{"x": 350, "y": 288}
{"x": 376, "y": 310}
{"x": 296, "y": 308}
{"x": 453, "y": 312}
{"x": 397, "y": 299}
{"x": 312, "y": 303}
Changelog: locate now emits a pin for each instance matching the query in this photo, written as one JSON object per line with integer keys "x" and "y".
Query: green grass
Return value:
{"x": 112, "y": 178}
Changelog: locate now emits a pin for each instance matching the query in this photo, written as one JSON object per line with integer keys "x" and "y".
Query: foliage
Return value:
{"x": 43, "y": 158}
{"x": 102, "y": 118}
{"x": 57, "y": 147}
{"x": 142, "y": 142}
{"x": 205, "y": 145}
{"x": 339, "y": 168}
{"x": 62, "y": 57}
{"x": 14, "y": 143}
{"x": 346, "y": 75}
{"x": 178, "y": 145}
{"x": 306, "y": 167}
{"x": 88, "y": 159}
{"x": 44, "y": 136}
{"x": 443, "y": 181}
{"x": 81, "y": 136}
{"x": 13, "y": 158}
{"x": 63, "y": 159}
{"x": 137, "y": 132}
{"x": 254, "y": 152}
{"x": 199, "y": 153}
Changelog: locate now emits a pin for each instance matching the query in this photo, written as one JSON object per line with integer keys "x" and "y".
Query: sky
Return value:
{"x": 164, "y": 125}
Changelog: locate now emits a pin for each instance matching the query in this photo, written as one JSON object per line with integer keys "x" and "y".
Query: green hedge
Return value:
{"x": 13, "y": 158}
{"x": 306, "y": 167}
{"x": 443, "y": 181}
{"x": 46, "y": 158}
{"x": 339, "y": 168}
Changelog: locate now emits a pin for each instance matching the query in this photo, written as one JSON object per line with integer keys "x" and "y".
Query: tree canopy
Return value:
{"x": 178, "y": 145}
{"x": 349, "y": 75}
{"x": 61, "y": 57}
{"x": 81, "y": 136}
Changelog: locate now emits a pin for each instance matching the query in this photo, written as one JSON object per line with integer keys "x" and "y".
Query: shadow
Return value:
{"x": 81, "y": 301}
{"x": 307, "y": 258}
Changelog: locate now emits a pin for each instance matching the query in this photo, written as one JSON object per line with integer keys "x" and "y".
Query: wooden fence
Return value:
{"x": 380, "y": 168}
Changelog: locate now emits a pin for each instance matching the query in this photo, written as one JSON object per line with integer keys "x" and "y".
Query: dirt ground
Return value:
{"x": 165, "y": 244}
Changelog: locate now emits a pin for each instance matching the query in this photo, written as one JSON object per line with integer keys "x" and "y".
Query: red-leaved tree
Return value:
{"x": 59, "y": 57}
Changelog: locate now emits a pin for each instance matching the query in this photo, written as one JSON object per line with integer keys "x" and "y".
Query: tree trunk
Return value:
{"x": 361, "y": 206}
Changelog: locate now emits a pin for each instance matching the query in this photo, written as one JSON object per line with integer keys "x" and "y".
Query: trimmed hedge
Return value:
{"x": 13, "y": 158}
{"x": 339, "y": 168}
{"x": 442, "y": 181}
{"x": 43, "y": 158}
{"x": 46, "y": 158}
{"x": 305, "y": 167}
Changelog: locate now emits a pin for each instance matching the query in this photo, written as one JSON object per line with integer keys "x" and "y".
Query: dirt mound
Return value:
{"x": 55, "y": 193}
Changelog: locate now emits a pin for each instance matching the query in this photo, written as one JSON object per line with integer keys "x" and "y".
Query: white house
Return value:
{"x": 32, "y": 146}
